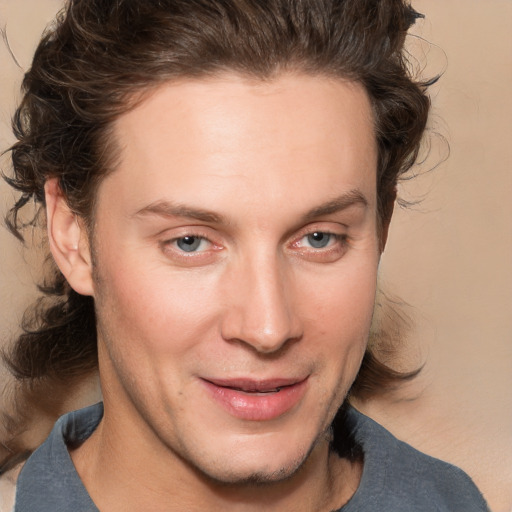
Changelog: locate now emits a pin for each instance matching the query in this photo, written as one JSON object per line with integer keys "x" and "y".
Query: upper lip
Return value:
{"x": 255, "y": 385}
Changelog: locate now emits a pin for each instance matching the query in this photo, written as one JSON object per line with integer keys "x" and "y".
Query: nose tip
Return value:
{"x": 261, "y": 313}
{"x": 267, "y": 337}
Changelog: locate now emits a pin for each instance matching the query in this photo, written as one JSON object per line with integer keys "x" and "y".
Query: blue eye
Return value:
{"x": 319, "y": 240}
{"x": 189, "y": 243}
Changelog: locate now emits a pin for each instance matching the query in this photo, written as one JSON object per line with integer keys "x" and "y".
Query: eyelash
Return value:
{"x": 335, "y": 250}
{"x": 170, "y": 243}
{"x": 337, "y": 244}
{"x": 336, "y": 236}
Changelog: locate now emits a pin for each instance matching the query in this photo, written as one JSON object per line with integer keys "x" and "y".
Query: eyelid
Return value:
{"x": 175, "y": 233}
{"x": 334, "y": 251}
{"x": 167, "y": 243}
{"x": 339, "y": 232}
{"x": 340, "y": 238}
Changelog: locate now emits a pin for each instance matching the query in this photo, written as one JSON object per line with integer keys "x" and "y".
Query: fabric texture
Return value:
{"x": 396, "y": 477}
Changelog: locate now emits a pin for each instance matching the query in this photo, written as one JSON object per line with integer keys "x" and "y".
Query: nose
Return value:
{"x": 260, "y": 309}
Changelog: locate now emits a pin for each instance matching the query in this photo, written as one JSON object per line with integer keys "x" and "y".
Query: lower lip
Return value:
{"x": 257, "y": 406}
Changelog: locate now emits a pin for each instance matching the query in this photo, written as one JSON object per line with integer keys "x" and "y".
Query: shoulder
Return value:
{"x": 397, "y": 477}
{"x": 48, "y": 480}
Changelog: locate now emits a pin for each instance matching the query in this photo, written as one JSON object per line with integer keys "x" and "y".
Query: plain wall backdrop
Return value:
{"x": 449, "y": 257}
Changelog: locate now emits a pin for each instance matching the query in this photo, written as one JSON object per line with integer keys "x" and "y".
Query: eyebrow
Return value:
{"x": 352, "y": 198}
{"x": 168, "y": 209}
{"x": 164, "y": 208}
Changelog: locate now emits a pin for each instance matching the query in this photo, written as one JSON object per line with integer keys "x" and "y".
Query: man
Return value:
{"x": 218, "y": 180}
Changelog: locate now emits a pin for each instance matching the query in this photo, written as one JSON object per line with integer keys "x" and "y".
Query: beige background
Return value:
{"x": 450, "y": 257}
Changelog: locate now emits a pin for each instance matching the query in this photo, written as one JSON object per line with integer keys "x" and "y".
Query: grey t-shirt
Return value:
{"x": 396, "y": 477}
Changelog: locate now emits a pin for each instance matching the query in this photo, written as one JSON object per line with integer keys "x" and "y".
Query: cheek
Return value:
{"x": 343, "y": 301}
{"x": 153, "y": 309}
{"x": 340, "y": 318}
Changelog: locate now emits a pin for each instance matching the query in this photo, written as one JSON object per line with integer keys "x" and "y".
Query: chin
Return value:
{"x": 262, "y": 462}
{"x": 257, "y": 476}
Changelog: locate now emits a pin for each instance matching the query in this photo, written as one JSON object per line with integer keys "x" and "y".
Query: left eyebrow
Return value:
{"x": 352, "y": 198}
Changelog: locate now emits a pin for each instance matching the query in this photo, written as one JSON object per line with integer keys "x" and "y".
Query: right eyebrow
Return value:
{"x": 167, "y": 209}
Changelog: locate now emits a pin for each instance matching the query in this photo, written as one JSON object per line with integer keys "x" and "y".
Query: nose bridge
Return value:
{"x": 260, "y": 311}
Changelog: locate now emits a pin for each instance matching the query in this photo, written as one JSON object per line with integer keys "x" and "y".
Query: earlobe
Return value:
{"x": 68, "y": 240}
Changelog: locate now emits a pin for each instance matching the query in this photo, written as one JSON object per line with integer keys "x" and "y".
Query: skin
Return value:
{"x": 251, "y": 170}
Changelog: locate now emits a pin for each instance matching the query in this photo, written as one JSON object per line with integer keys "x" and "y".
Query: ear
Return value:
{"x": 386, "y": 219}
{"x": 68, "y": 240}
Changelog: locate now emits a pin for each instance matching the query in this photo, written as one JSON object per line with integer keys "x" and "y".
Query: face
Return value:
{"x": 236, "y": 251}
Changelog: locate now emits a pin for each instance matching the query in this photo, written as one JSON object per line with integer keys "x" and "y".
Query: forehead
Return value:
{"x": 203, "y": 139}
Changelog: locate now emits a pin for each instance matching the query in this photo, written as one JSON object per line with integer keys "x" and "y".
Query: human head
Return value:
{"x": 102, "y": 57}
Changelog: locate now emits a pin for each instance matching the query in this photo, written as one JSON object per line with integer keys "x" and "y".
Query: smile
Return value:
{"x": 252, "y": 400}
{"x": 261, "y": 391}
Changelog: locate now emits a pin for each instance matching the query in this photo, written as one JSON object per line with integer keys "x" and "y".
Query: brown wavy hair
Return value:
{"x": 101, "y": 56}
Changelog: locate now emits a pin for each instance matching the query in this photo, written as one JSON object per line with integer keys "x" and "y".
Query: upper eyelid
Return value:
{"x": 325, "y": 226}
{"x": 186, "y": 235}
{"x": 188, "y": 231}
{"x": 316, "y": 228}
{"x": 338, "y": 246}
{"x": 211, "y": 234}
{"x": 204, "y": 232}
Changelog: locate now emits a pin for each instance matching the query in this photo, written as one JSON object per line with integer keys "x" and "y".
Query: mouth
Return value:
{"x": 257, "y": 400}
{"x": 256, "y": 386}
{"x": 254, "y": 391}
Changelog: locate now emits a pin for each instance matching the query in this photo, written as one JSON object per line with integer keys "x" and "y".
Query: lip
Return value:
{"x": 256, "y": 400}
